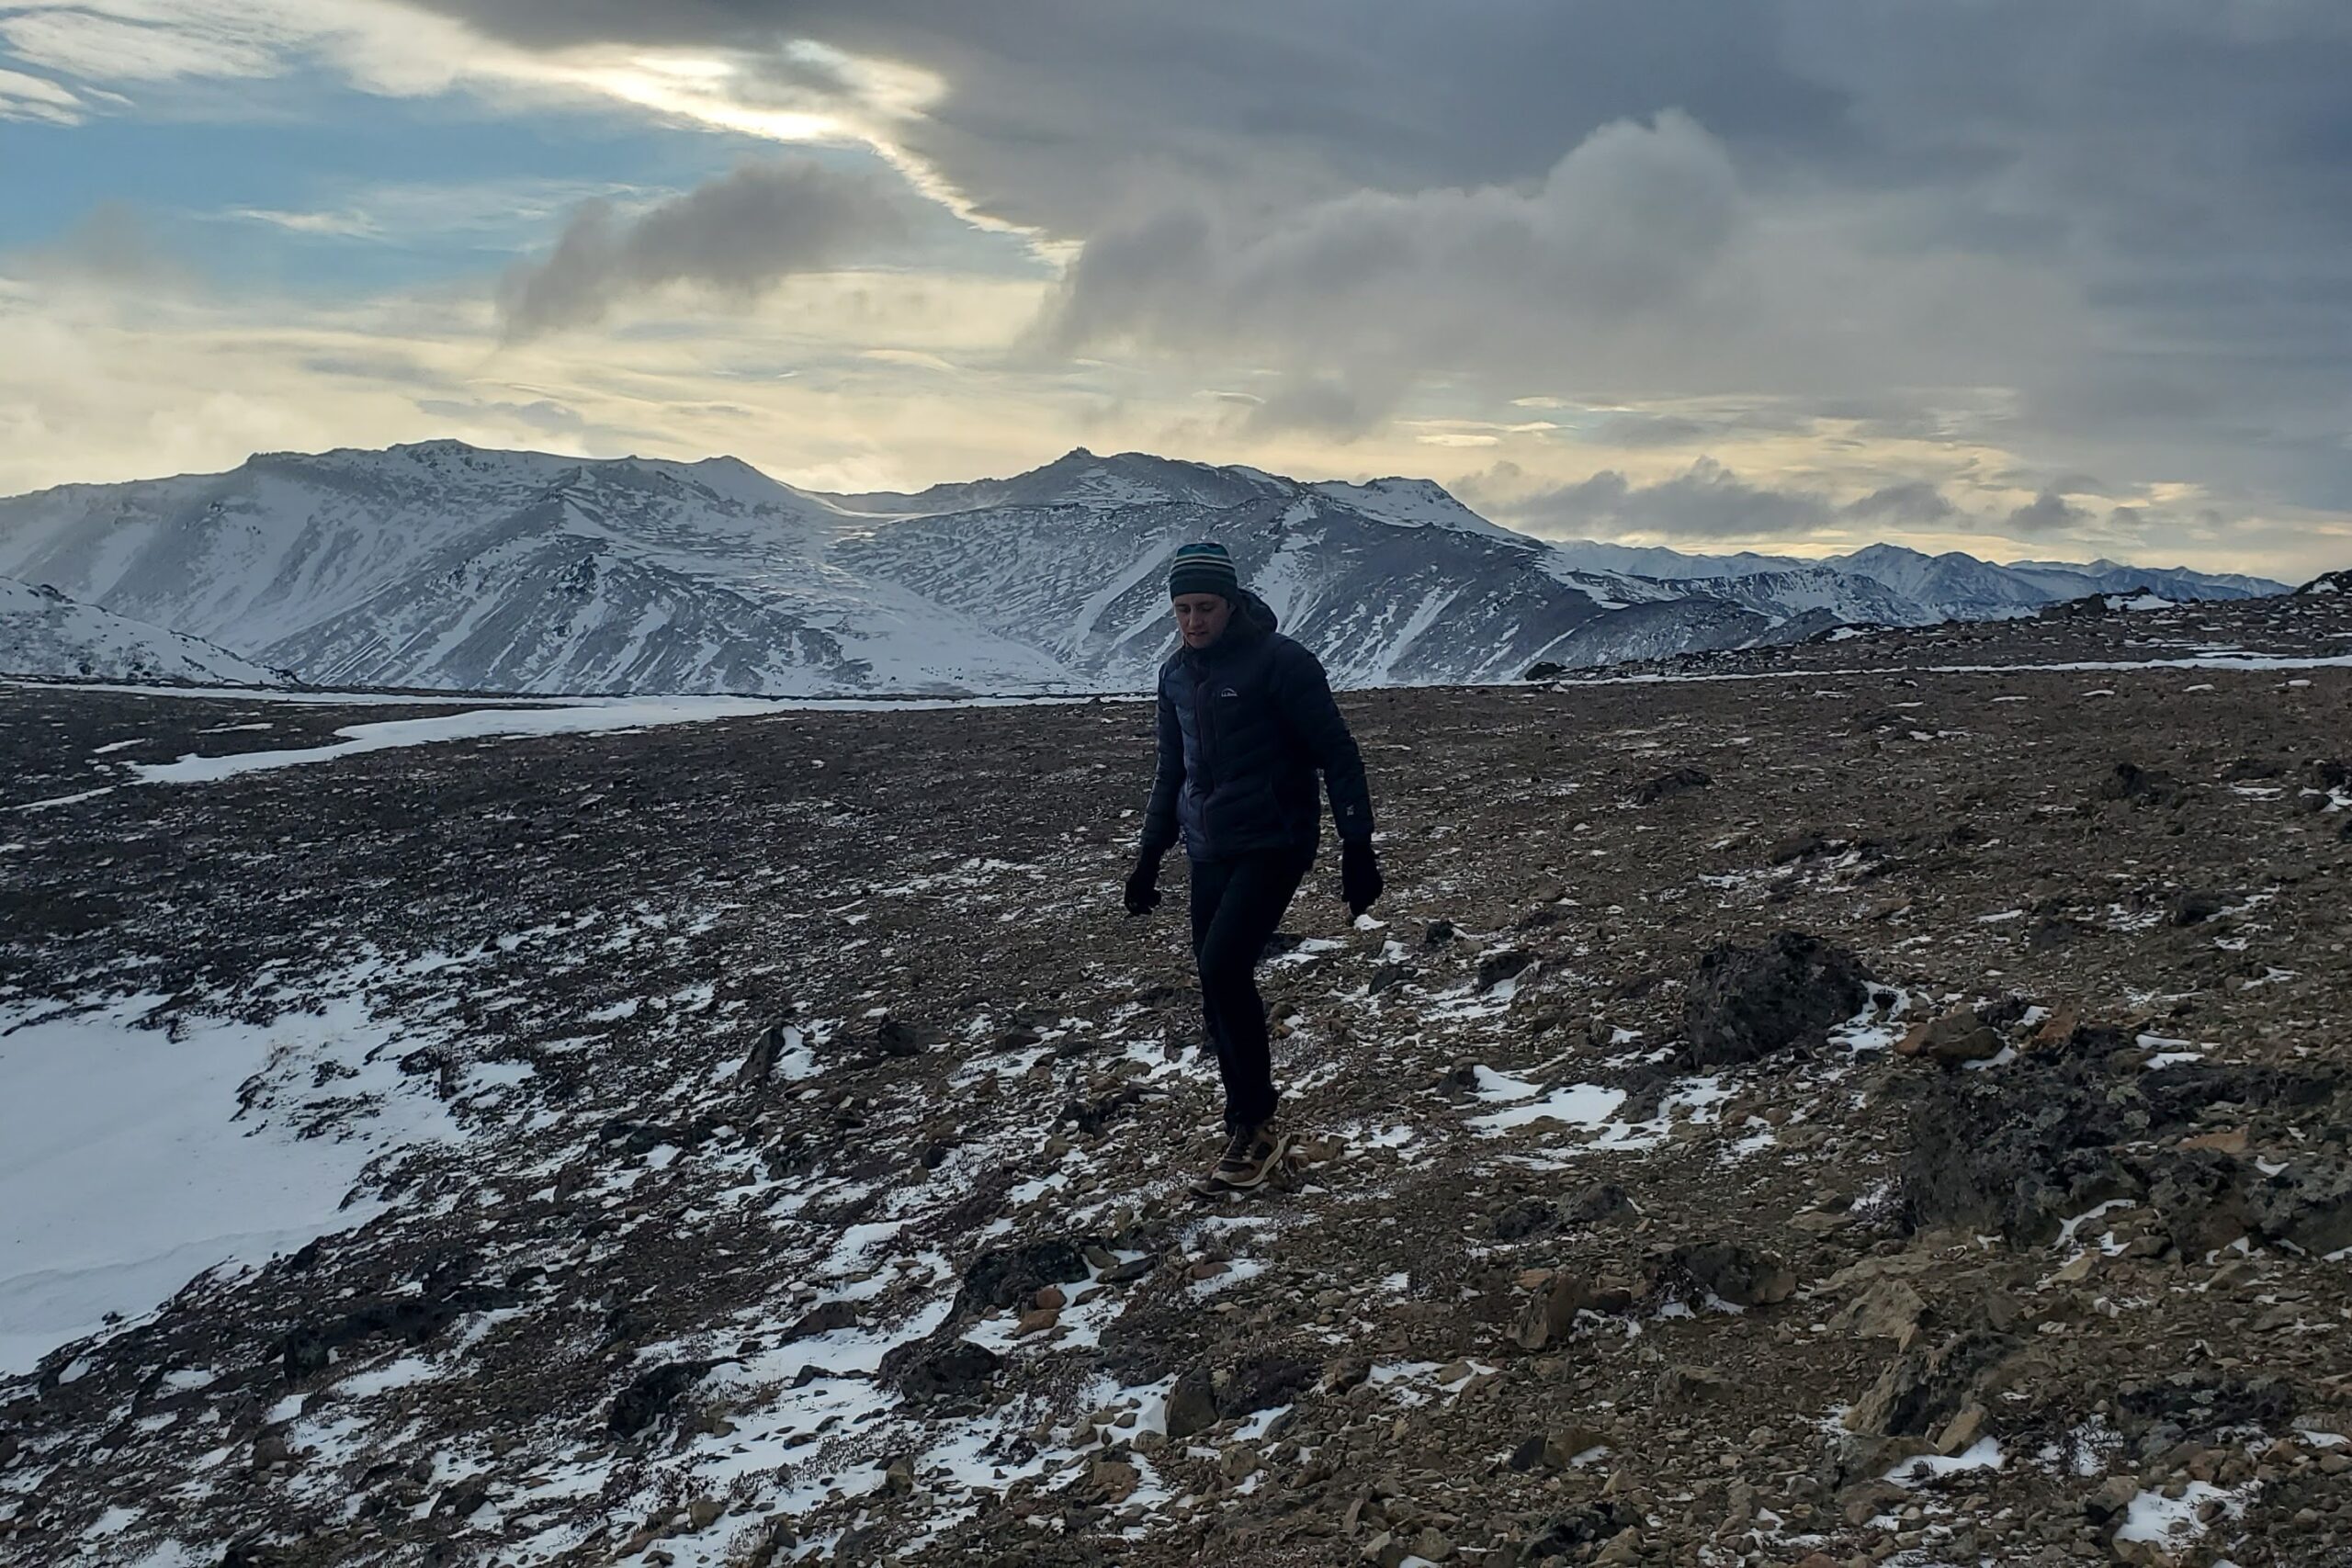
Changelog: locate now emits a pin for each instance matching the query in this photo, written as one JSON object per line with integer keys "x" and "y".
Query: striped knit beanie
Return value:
{"x": 1204, "y": 568}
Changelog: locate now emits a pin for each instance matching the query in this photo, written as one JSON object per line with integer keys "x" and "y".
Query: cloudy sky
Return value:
{"x": 2025, "y": 278}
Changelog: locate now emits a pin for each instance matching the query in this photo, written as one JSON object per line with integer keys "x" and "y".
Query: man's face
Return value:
{"x": 1202, "y": 617}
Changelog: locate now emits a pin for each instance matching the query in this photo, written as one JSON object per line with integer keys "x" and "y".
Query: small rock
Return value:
{"x": 1743, "y": 1276}
{"x": 1954, "y": 1038}
{"x": 2195, "y": 908}
{"x": 1525, "y": 1218}
{"x": 1551, "y": 1314}
{"x": 2076, "y": 1270}
{"x": 2113, "y": 1496}
{"x": 1508, "y": 964}
{"x": 1624, "y": 1547}
{"x": 1112, "y": 1482}
{"x": 1889, "y": 1309}
{"x": 2057, "y": 1031}
{"x": 824, "y": 1319}
{"x": 1960, "y": 1434}
{"x": 1433, "y": 1546}
{"x": 1686, "y": 1384}
{"x": 1603, "y": 1202}
{"x": 1667, "y": 786}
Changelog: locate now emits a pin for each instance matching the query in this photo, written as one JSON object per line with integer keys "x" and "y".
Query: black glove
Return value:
{"x": 1143, "y": 885}
{"x": 1360, "y": 882}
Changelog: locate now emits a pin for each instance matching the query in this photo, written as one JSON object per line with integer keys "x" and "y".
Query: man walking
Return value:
{"x": 1246, "y": 721}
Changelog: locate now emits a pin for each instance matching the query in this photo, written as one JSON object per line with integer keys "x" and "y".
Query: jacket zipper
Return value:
{"x": 1204, "y": 713}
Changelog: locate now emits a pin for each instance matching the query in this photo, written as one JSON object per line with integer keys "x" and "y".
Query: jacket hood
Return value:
{"x": 1252, "y": 616}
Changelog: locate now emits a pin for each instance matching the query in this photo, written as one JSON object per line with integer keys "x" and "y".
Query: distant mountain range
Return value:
{"x": 443, "y": 566}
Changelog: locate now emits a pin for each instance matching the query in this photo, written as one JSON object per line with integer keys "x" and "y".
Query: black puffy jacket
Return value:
{"x": 1244, "y": 725}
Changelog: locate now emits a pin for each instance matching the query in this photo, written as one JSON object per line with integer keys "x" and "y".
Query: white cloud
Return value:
{"x": 24, "y": 96}
{"x": 102, "y": 47}
{"x": 338, "y": 225}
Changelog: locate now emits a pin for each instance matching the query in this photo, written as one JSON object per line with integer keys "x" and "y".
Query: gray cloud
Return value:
{"x": 541, "y": 414}
{"x": 735, "y": 237}
{"x": 2105, "y": 236}
{"x": 1914, "y": 500}
{"x": 1052, "y": 111}
{"x": 1652, "y": 430}
{"x": 2048, "y": 513}
{"x": 1706, "y": 501}
{"x": 1367, "y": 288}
{"x": 113, "y": 246}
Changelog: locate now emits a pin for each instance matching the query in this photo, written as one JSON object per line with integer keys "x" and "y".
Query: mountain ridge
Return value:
{"x": 438, "y": 564}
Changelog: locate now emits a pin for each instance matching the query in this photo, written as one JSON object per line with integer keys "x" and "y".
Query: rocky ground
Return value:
{"x": 1877, "y": 1102}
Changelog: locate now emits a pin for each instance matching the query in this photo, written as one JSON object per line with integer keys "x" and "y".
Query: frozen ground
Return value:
{"x": 764, "y": 1141}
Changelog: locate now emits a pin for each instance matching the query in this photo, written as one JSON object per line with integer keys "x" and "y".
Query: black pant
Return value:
{"x": 1236, "y": 904}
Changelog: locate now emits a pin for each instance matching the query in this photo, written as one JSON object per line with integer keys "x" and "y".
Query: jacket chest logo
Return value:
{"x": 1228, "y": 692}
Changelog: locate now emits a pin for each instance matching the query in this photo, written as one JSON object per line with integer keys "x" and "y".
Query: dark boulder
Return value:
{"x": 649, "y": 1397}
{"x": 1004, "y": 1276}
{"x": 1746, "y": 1003}
{"x": 954, "y": 1369}
{"x": 1515, "y": 1222}
{"x": 2309, "y": 1205}
{"x": 1674, "y": 782}
{"x": 1739, "y": 1275}
{"x": 758, "y": 1063}
{"x": 1603, "y": 1202}
{"x": 2195, "y": 907}
{"x": 825, "y": 1318}
{"x": 1191, "y": 1404}
{"x": 1497, "y": 968}
{"x": 1263, "y": 1382}
{"x": 2201, "y": 1404}
{"x": 2199, "y": 1197}
{"x": 2142, "y": 786}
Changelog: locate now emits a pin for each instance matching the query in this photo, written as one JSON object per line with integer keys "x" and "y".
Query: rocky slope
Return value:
{"x": 1879, "y": 1101}
{"x": 44, "y": 633}
{"x": 440, "y": 566}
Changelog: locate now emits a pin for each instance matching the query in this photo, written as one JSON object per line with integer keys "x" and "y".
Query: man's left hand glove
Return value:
{"x": 1360, "y": 882}
{"x": 1142, "y": 894}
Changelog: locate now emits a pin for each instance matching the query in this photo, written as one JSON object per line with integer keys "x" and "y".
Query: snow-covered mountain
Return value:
{"x": 1953, "y": 586}
{"x": 1392, "y": 582}
{"x": 441, "y": 564}
{"x": 45, "y": 633}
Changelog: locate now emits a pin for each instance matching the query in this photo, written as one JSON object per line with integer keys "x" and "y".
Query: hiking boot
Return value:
{"x": 1252, "y": 1155}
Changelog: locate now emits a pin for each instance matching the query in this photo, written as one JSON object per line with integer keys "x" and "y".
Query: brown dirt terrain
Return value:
{"x": 1877, "y": 1102}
